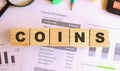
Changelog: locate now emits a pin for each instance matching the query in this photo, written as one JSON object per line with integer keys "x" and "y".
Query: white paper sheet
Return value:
{"x": 10, "y": 58}
{"x": 40, "y": 13}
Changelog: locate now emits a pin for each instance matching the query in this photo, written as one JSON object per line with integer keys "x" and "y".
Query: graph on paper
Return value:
{"x": 103, "y": 58}
{"x": 105, "y": 52}
{"x": 5, "y": 56}
{"x": 10, "y": 59}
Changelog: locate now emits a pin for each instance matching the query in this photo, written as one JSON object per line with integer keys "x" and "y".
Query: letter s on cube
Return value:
{"x": 99, "y": 38}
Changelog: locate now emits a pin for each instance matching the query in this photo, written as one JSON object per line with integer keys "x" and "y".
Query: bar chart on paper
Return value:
{"x": 5, "y": 54}
{"x": 107, "y": 59}
{"x": 10, "y": 59}
{"x": 105, "y": 52}
{"x": 117, "y": 52}
{"x": 103, "y": 58}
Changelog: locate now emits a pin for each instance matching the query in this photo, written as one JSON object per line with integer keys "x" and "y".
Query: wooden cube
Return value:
{"x": 39, "y": 36}
{"x": 104, "y": 4}
{"x": 79, "y": 37}
{"x": 20, "y": 37}
{"x": 99, "y": 38}
{"x": 59, "y": 37}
